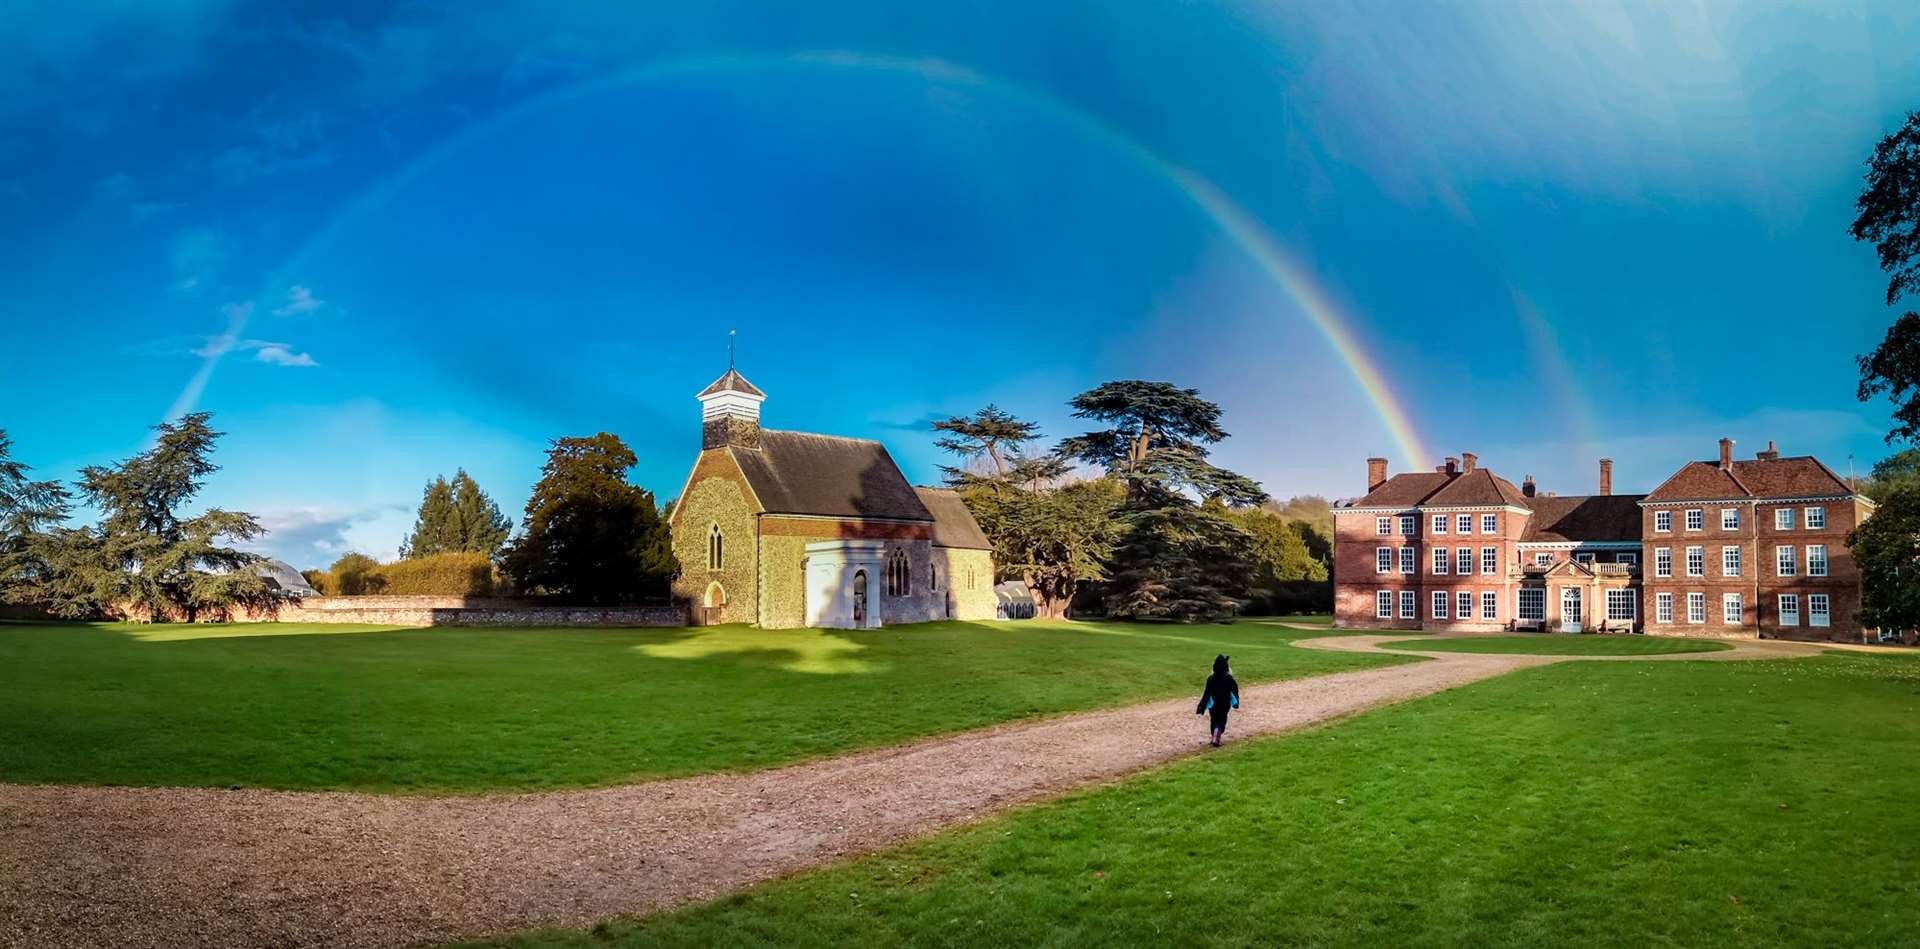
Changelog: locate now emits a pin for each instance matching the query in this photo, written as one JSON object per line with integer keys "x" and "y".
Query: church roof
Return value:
{"x": 733, "y": 381}
{"x": 827, "y": 476}
{"x": 953, "y": 524}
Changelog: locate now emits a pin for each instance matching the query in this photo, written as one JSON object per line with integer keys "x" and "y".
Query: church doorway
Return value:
{"x": 859, "y": 599}
{"x": 710, "y": 608}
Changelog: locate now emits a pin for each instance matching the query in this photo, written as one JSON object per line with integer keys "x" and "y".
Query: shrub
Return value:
{"x": 450, "y": 574}
{"x": 356, "y": 575}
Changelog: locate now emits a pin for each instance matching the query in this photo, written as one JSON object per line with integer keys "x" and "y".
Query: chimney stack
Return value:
{"x": 1771, "y": 454}
{"x": 1468, "y": 461}
{"x": 1526, "y": 486}
{"x": 1726, "y": 454}
{"x": 1606, "y": 476}
{"x": 1452, "y": 466}
{"x": 1376, "y": 473}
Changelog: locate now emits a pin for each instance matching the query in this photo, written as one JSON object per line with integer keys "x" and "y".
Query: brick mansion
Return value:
{"x": 1727, "y": 547}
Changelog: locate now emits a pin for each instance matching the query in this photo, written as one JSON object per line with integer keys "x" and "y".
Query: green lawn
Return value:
{"x": 287, "y": 706}
{"x": 1589, "y": 804}
{"x": 1543, "y": 644}
{"x": 1305, "y": 619}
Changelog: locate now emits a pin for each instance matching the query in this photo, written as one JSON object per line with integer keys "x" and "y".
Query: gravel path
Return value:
{"x": 87, "y": 866}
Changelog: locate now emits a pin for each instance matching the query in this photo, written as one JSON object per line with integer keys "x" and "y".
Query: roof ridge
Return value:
{"x": 1677, "y": 472}
{"x": 843, "y": 438}
{"x": 1835, "y": 475}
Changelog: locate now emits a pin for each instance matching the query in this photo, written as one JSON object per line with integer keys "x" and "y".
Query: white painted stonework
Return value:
{"x": 831, "y": 567}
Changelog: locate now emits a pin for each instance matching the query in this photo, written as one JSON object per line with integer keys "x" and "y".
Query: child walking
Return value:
{"x": 1220, "y": 695}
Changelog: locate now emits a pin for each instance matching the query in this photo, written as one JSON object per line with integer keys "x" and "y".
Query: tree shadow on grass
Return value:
{"x": 811, "y": 651}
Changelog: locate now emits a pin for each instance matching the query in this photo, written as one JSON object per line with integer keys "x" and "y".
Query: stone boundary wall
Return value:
{"x": 469, "y": 611}
{"x": 428, "y": 602}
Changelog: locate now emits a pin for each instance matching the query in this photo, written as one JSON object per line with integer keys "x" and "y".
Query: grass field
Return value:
{"x": 1542, "y": 644}
{"x": 1604, "y": 804}
{"x": 285, "y": 706}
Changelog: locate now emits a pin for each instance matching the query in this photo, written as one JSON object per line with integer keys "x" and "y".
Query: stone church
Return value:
{"x": 792, "y": 529}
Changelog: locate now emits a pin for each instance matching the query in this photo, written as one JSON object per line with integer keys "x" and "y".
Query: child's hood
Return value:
{"x": 1220, "y": 665}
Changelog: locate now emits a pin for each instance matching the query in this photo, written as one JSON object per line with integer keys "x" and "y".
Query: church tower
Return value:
{"x": 730, "y": 413}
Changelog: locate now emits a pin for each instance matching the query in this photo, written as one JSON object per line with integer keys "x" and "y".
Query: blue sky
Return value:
{"x": 381, "y": 243}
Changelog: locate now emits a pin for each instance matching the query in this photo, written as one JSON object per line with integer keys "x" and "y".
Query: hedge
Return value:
{"x": 454, "y": 574}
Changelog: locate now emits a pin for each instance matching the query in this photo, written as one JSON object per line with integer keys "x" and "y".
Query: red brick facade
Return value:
{"x": 1618, "y": 563}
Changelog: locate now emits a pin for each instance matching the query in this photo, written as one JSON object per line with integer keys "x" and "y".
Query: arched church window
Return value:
{"x": 933, "y": 578}
{"x": 716, "y": 548}
{"x": 899, "y": 573}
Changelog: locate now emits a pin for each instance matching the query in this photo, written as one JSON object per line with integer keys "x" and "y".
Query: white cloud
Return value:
{"x": 300, "y": 301}
{"x": 317, "y": 535}
{"x": 279, "y": 355}
{"x": 264, "y": 350}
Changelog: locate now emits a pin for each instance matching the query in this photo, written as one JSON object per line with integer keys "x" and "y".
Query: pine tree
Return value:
{"x": 30, "y": 513}
{"x": 456, "y": 517}
{"x": 478, "y": 525}
{"x": 433, "y": 527}
{"x": 1051, "y": 533}
{"x": 144, "y": 555}
{"x": 1180, "y": 555}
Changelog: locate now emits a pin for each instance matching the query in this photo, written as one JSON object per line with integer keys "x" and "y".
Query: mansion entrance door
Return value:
{"x": 1570, "y": 609}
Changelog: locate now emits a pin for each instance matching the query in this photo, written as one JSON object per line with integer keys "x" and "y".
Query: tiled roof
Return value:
{"x": 1801, "y": 476}
{"x": 1798, "y": 477}
{"x": 953, "y": 524}
{"x": 828, "y": 476}
{"x": 1599, "y": 517}
{"x": 1477, "y": 487}
{"x": 1698, "y": 480}
{"x": 733, "y": 381}
{"x": 1403, "y": 490}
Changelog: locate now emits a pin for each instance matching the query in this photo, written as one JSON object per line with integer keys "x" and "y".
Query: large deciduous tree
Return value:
{"x": 1180, "y": 555}
{"x": 1884, "y": 546}
{"x": 1290, "y": 562}
{"x": 1054, "y": 537}
{"x": 456, "y": 517}
{"x": 146, "y": 556}
{"x": 1888, "y": 215}
{"x": 590, "y": 535}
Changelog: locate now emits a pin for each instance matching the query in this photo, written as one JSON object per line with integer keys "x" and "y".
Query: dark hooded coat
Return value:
{"x": 1221, "y": 693}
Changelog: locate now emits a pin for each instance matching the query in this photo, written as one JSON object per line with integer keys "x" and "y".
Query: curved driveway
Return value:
{"x": 90, "y": 866}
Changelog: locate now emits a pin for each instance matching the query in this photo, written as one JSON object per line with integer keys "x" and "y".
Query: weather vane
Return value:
{"x": 730, "y": 335}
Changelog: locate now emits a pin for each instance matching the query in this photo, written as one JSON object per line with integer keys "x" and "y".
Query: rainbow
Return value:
{"x": 1235, "y": 222}
{"x": 1551, "y": 353}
